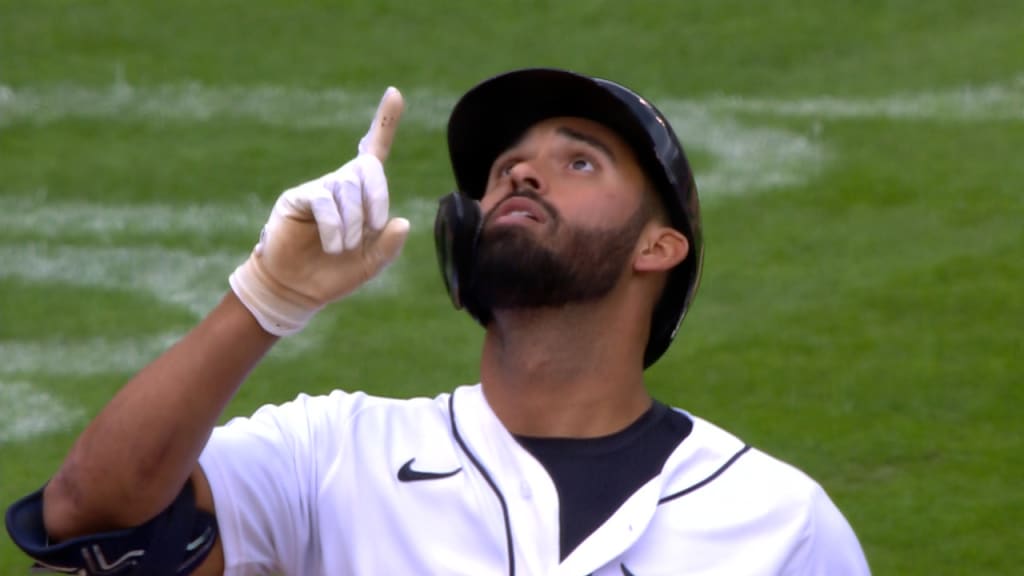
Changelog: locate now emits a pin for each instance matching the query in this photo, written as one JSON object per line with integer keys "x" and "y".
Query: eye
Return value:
{"x": 504, "y": 167}
{"x": 581, "y": 165}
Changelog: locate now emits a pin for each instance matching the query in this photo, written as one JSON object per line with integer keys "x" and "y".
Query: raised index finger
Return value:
{"x": 385, "y": 123}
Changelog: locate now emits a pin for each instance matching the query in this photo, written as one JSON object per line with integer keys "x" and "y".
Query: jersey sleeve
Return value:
{"x": 264, "y": 472}
{"x": 830, "y": 545}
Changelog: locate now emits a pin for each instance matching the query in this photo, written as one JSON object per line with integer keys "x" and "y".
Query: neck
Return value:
{"x": 574, "y": 371}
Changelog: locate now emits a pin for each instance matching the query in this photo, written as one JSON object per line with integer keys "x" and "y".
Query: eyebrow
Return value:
{"x": 586, "y": 139}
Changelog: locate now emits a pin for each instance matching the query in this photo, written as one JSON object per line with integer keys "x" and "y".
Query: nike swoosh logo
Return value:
{"x": 407, "y": 474}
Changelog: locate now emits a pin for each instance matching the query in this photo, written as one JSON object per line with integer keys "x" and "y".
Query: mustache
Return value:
{"x": 530, "y": 194}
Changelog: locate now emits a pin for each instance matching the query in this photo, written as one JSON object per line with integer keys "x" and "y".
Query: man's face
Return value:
{"x": 563, "y": 210}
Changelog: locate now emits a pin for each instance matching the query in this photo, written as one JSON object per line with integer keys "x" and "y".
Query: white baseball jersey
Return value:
{"x": 349, "y": 484}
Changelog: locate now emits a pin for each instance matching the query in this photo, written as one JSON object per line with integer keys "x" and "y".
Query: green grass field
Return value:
{"x": 861, "y": 313}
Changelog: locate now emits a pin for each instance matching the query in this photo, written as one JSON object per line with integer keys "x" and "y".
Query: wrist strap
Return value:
{"x": 278, "y": 309}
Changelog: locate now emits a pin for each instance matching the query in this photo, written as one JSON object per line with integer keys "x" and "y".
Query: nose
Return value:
{"x": 525, "y": 175}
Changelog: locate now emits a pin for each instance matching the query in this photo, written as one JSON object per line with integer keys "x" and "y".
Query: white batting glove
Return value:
{"x": 327, "y": 237}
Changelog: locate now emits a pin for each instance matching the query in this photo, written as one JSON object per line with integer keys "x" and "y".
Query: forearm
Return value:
{"x": 134, "y": 457}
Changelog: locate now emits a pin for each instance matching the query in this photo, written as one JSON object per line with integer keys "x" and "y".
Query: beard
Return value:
{"x": 516, "y": 270}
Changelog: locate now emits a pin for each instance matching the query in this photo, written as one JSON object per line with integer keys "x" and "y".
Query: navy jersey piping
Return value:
{"x": 490, "y": 482}
{"x": 732, "y": 460}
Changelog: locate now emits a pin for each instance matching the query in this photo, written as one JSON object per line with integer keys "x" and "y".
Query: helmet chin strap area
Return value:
{"x": 456, "y": 235}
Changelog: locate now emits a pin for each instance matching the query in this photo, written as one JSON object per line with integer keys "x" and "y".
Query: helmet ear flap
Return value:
{"x": 456, "y": 234}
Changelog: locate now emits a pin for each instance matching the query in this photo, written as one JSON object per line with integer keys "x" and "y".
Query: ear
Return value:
{"x": 661, "y": 248}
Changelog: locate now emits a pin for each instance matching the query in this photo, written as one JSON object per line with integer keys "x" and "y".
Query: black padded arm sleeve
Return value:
{"x": 173, "y": 543}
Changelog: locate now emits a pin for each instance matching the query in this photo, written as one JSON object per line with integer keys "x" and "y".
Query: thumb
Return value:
{"x": 387, "y": 244}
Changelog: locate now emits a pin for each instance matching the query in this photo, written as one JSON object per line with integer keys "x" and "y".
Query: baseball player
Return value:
{"x": 575, "y": 240}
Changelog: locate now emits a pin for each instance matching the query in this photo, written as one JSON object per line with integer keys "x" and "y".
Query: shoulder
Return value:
{"x": 712, "y": 455}
{"x": 715, "y": 467}
{"x": 339, "y": 408}
{"x": 319, "y": 427}
{"x": 717, "y": 484}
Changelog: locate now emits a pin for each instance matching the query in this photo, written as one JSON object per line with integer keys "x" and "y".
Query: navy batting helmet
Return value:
{"x": 492, "y": 115}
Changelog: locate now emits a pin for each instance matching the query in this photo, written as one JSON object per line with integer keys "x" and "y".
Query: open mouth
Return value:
{"x": 520, "y": 209}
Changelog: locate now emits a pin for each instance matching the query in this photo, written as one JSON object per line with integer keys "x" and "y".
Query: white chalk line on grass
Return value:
{"x": 178, "y": 278}
{"x": 283, "y": 106}
{"x": 81, "y": 356}
{"x": 41, "y": 216}
{"x": 971, "y": 103}
{"x": 27, "y": 412}
{"x": 297, "y": 107}
{"x": 37, "y": 215}
{"x": 745, "y": 159}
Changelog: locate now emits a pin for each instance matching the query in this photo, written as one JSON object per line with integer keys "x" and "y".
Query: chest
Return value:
{"x": 425, "y": 505}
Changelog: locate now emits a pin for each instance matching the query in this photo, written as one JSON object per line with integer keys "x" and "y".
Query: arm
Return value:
{"x": 135, "y": 456}
{"x": 324, "y": 239}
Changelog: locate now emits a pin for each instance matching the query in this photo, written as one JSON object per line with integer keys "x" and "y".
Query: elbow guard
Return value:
{"x": 174, "y": 543}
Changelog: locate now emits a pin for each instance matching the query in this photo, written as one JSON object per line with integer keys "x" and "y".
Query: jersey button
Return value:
{"x": 525, "y": 491}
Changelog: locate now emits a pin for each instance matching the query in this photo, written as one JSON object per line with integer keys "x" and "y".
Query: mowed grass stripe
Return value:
{"x": 36, "y": 215}
{"x": 82, "y": 248}
{"x": 297, "y": 107}
{"x": 743, "y": 157}
{"x": 997, "y": 101}
{"x": 27, "y": 412}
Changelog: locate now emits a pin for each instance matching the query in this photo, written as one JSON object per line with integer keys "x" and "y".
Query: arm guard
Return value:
{"x": 173, "y": 543}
